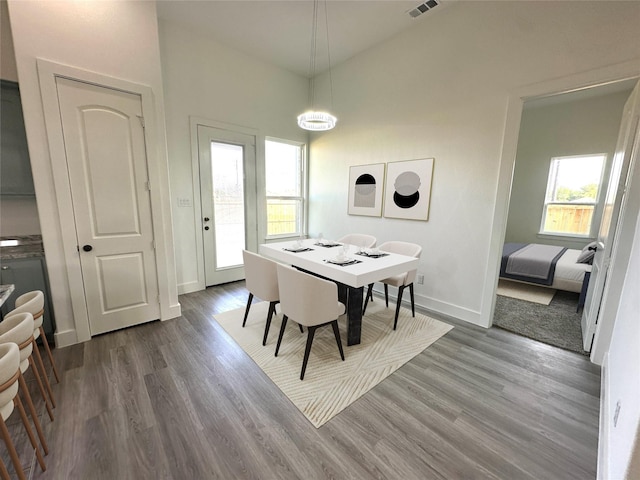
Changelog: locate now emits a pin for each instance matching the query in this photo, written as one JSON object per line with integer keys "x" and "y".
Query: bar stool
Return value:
{"x": 19, "y": 329}
{"x": 9, "y": 398}
{"x": 33, "y": 302}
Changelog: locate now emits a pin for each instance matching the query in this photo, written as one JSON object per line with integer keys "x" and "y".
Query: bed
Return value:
{"x": 544, "y": 265}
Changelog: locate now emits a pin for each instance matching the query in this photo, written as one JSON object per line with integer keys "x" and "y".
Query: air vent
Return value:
{"x": 423, "y": 7}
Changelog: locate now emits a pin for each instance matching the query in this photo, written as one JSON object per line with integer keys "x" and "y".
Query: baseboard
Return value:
{"x": 437, "y": 306}
{"x": 65, "y": 338}
{"x": 603, "y": 433}
{"x": 174, "y": 311}
{"x": 190, "y": 287}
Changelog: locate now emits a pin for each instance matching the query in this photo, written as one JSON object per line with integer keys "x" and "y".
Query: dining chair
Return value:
{"x": 19, "y": 330}
{"x": 401, "y": 281}
{"x": 261, "y": 281}
{"x": 361, "y": 240}
{"x": 310, "y": 301}
{"x": 9, "y": 399}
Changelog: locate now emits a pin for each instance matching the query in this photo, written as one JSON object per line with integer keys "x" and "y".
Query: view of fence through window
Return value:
{"x": 284, "y": 188}
{"x": 572, "y": 194}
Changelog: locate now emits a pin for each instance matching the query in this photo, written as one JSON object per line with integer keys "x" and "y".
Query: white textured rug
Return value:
{"x": 523, "y": 291}
{"x": 330, "y": 385}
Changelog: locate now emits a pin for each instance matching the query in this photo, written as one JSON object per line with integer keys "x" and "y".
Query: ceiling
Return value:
{"x": 279, "y": 31}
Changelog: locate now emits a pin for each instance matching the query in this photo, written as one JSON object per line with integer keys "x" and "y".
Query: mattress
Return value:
{"x": 568, "y": 275}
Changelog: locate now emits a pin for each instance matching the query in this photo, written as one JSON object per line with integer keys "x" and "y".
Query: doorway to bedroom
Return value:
{"x": 557, "y": 209}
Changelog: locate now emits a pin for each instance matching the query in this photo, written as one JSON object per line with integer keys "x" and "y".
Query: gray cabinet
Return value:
{"x": 15, "y": 167}
{"x": 28, "y": 274}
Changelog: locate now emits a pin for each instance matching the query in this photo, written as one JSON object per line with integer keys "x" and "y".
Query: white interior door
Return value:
{"x": 228, "y": 197}
{"x": 106, "y": 159}
{"x": 613, "y": 210}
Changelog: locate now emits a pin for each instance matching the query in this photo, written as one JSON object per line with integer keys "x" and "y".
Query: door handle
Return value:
{"x": 206, "y": 228}
{"x": 206, "y": 219}
{"x": 87, "y": 248}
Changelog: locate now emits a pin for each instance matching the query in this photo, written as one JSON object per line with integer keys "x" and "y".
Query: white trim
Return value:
{"x": 161, "y": 216}
{"x": 592, "y": 78}
{"x": 65, "y": 338}
{"x": 603, "y": 440}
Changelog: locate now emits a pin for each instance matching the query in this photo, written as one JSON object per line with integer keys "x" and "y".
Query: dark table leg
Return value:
{"x": 354, "y": 315}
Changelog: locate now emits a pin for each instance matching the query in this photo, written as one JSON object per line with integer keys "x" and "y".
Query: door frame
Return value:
{"x": 614, "y": 73}
{"x": 194, "y": 122}
{"x": 158, "y": 178}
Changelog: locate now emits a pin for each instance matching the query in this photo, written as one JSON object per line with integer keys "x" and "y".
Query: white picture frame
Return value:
{"x": 366, "y": 189}
{"x": 408, "y": 189}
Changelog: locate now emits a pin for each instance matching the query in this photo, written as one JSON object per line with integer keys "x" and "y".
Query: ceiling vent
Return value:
{"x": 423, "y": 7}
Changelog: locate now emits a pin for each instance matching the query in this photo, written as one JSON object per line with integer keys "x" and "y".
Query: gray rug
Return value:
{"x": 556, "y": 324}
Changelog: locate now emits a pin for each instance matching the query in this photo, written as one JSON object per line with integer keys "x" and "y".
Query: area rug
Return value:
{"x": 330, "y": 385}
{"x": 523, "y": 291}
{"x": 556, "y": 324}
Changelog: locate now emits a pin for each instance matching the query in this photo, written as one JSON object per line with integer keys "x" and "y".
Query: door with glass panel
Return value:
{"x": 228, "y": 197}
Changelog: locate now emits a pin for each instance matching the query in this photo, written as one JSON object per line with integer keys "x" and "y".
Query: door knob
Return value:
{"x": 206, "y": 219}
{"x": 206, "y": 228}
{"x": 87, "y": 248}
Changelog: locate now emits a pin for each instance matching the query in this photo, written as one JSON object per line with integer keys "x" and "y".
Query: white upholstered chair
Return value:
{"x": 360, "y": 240}
{"x": 401, "y": 281}
{"x": 9, "y": 398}
{"x": 310, "y": 301}
{"x": 18, "y": 329}
{"x": 261, "y": 281}
{"x": 33, "y": 303}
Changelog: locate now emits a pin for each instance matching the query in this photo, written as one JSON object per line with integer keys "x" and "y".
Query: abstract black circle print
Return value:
{"x": 407, "y": 187}
{"x": 365, "y": 191}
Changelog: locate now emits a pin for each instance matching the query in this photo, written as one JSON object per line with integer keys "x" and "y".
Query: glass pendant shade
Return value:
{"x": 316, "y": 121}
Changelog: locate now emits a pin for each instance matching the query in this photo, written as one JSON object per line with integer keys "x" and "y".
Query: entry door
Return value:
{"x": 228, "y": 197}
{"x": 614, "y": 206}
{"x": 107, "y": 166}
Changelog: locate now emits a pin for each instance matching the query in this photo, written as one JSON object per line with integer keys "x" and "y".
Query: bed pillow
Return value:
{"x": 587, "y": 254}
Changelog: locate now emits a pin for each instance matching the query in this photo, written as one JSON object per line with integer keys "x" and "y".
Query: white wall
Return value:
{"x": 440, "y": 90}
{"x": 579, "y": 127}
{"x": 117, "y": 39}
{"x": 205, "y": 79}
{"x": 623, "y": 373}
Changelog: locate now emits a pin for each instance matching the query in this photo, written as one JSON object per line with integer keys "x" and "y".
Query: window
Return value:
{"x": 572, "y": 194}
{"x": 285, "y": 188}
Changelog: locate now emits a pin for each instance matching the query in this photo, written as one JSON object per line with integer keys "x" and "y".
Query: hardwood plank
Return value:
{"x": 179, "y": 399}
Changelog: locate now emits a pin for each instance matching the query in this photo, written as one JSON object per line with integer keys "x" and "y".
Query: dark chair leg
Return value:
{"x": 311, "y": 331}
{"x": 284, "y": 324}
{"x": 386, "y": 295}
{"x": 246, "y": 312}
{"x": 413, "y": 305}
{"x": 400, "y": 291}
{"x": 366, "y": 299}
{"x": 336, "y": 333}
{"x": 272, "y": 310}
{"x": 301, "y": 330}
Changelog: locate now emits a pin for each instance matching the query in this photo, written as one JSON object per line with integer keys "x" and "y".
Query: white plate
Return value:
{"x": 342, "y": 261}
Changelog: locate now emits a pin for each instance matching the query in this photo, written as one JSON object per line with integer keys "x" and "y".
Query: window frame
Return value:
{"x": 301, "y": 223}
{"x": 595, "y": 204}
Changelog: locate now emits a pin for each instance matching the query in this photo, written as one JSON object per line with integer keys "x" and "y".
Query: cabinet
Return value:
{"x": 15, "y": 166}
{"x": 28, "y": 274}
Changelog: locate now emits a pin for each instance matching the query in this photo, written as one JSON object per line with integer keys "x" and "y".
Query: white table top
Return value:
{"x": 369, "y": 270}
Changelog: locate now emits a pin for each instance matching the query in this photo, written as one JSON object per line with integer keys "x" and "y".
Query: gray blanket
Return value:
{"x": 532, "y": 262}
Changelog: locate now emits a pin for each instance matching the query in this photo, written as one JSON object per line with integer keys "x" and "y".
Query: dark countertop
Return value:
{"x": 28, "y": 246}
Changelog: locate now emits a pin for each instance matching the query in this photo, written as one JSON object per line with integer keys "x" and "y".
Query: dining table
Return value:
{"x": 351, "y": 270}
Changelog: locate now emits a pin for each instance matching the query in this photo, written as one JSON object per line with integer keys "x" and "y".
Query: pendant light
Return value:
{"x": 313, "y": 119}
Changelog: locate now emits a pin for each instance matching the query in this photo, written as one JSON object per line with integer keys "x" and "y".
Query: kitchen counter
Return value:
{"x": 21, "y": 246}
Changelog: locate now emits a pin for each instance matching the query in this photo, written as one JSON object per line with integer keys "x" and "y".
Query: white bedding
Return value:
{"x": 569, "y": 273}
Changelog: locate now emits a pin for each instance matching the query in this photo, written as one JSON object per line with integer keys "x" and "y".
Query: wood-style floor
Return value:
{"x": 179, "y": 400}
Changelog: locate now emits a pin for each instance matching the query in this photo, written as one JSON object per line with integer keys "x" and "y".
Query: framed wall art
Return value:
{"x": 408, "y": 189}
{"x": 366, "y": 187}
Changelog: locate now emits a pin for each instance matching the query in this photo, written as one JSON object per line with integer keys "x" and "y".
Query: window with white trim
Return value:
{"x": 572, "y": 195}
{"x": 285, "y": 167}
